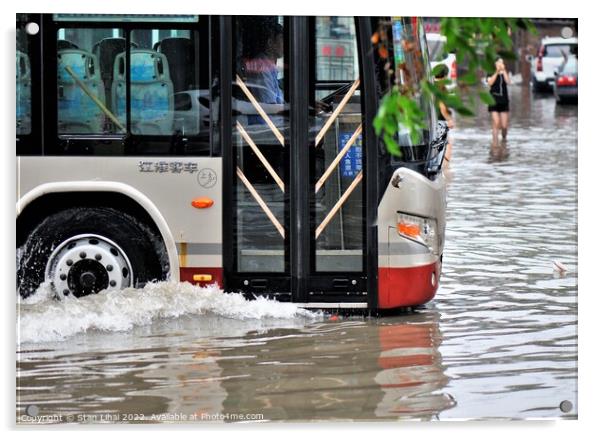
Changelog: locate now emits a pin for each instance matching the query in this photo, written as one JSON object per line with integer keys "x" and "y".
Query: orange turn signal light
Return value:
{"x": 408, "y": 229}
{"x": 202, "y": 202}
{"x": 202, "y": 277}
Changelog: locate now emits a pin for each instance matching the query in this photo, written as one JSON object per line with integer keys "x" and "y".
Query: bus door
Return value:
{"x": 337, "y": 263}
{"x": 295, "y": 213}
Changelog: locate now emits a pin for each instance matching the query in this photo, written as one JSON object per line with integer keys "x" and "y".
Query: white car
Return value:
{"x": 191, "y": 112}
{"x": 438, "y": 55}
{"x": 552, "y": 53}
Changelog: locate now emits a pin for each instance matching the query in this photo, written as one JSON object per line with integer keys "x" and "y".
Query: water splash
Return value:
{"x": 42, "y": 318}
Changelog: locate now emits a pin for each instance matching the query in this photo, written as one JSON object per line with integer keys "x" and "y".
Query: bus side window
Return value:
{"x": 170, "y": 88}
{"x": 167, "y": 67}
{"x": 82, "y": 82}
{"x": 23, "y": 70}
{"x": 106, "y": 50}
{"x": 151, "y": 92}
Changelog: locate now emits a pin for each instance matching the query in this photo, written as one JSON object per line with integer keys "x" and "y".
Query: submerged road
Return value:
{"x": 498, "y": 341}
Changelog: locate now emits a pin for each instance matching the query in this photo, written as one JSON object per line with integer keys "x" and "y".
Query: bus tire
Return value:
{"x": 83, "y": 250}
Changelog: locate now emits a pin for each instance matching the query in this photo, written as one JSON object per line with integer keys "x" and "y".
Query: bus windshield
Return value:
{"x": 411, "y": 63}
{"x": 436, "y": 48}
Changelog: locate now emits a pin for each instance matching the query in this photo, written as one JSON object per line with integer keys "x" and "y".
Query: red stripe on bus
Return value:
{"x": 397, "y": 287}
{"x": 408, "y": 286}
{"x": 217, "y": 275}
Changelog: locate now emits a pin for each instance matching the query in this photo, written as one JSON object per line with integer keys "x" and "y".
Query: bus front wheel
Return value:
{"x": 81, "y": 251}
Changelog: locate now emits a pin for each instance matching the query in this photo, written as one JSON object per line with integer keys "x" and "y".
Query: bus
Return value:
{"x": 228, "y": 150}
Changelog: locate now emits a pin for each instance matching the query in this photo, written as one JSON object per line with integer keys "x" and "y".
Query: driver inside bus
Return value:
{"x": 262, "y": 70}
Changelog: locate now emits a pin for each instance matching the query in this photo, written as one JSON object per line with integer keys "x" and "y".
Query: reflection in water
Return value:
{"x": 354, "y": 369}
{"x": 412, "y": 374}
{"x": 88, "y": 383}
{"x": 499, "y": 152}
{"x": 498, "y": 341}
{"x": 349, "y": 370}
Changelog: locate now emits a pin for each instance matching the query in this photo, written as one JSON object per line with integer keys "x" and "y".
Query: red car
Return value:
{"x": 565, "y": 82}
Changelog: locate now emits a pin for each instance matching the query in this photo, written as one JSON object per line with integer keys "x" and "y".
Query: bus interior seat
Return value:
{"x": 151, "y": 92}
{"x": 180, "y": 55}
{"x": 106, "y": 50}
{"x": 65, "y": 44}
{"x": 77, "y": 112}
{"x": 23, "y": 74}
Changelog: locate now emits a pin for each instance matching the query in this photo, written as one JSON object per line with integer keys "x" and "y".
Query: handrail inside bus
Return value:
{"x": 97, "y": 101}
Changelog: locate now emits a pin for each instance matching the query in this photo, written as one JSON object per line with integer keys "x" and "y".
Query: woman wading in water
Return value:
{"x": 499, "y": 91}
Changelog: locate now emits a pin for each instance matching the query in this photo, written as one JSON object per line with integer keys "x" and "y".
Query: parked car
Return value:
{"x": 438, "y": 55}
{"x": 565, "y": 85}
{"x": 551, "y": 54}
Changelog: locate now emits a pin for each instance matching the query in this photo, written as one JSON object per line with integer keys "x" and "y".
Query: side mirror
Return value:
{"x": 440, "y": 140}
{"x": 438, "y": 146}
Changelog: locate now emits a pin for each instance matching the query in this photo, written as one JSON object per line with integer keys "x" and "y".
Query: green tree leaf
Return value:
{"x": 486, "y": 97}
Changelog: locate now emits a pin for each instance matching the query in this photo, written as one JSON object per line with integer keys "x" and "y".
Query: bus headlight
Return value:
{"x": 418, "y": 229}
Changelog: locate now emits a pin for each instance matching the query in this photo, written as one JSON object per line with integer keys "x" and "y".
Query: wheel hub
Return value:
{"x": 87, "y": 276}
{"x": 87, "y": 264}
{"x": 87, "y": 279}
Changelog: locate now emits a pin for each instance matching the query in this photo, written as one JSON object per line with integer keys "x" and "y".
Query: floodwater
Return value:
{"x": 498, "y": 341}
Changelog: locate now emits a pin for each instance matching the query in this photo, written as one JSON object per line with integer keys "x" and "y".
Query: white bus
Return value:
{"x": 236, "y": 150}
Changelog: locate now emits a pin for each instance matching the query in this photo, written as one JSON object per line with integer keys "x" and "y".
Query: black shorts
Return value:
{"x": 499, "y": 107}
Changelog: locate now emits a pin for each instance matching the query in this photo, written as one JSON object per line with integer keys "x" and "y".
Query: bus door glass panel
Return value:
{"x": 170, "y": 89}
{"x": 260, "y": 140}
{"x": 338, "y": 157}
{"x": 84, "y": 80}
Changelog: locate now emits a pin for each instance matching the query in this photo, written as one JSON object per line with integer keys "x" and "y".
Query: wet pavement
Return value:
{"x": 498, "y": 341}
